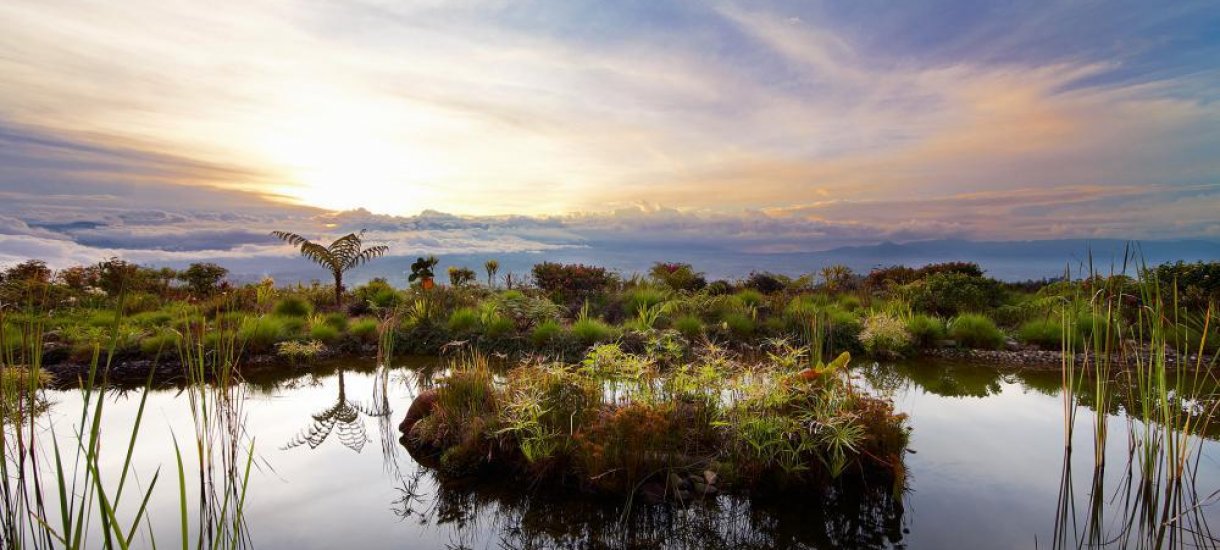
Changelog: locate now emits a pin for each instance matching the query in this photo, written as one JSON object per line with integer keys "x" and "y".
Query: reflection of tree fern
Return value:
{"x": 342, "y": 419}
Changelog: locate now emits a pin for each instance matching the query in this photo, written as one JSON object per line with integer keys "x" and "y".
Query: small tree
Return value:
{"x": 492, "y": 267}
{"x": 421, "y": 270}
{"x": 343, "y": 254}
{"x": 460, "y": 276}
{"x": 202, "y": 279}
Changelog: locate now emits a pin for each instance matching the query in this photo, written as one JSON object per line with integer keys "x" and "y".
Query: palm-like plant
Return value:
{"x": 343, "y": 254}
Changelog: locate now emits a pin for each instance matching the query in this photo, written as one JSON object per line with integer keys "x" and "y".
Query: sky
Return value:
{"x": 163, "y": 131}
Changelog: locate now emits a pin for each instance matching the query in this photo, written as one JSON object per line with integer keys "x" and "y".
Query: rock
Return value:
{"x": 710, "y": 477}
{"x": 1011, "y": 345}
{"x": 420, "y": 408}
{"x": 653, "y": 492}
{"x": 678, "y": 483}
{"x": 701, "y": 488}
{"x": 946, "y": 343}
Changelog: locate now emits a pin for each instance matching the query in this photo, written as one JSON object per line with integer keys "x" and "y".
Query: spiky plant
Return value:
{"x": 343, "y": 254}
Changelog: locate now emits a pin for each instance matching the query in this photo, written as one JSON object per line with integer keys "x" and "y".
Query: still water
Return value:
{"x": 986, "y": 472}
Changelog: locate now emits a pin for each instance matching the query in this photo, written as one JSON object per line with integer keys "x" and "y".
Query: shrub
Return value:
{"x": 925, "y": 330}
{"x": 766, "y": 283}
{"x": 969, "y": 269}
{"x": 719, "y": 288}
{"x": 364, "y": 330}
{"x": 954, "y": 293}
{"x": 570, "y": 281}
{"x": 460, "y": 276}
{"x": 293, "y": 306}
{"x": 690, "y": 326}
{"x": 976, "y": 331}
{"x": 589, "y": 331}
{"x": 886, "y": 277}
{"x": 377, "y": 293}
{"x": 884, "y": 335}
{"x": 324, "y": 333}
{"x": 677, "y": 276}
{"x": 547, "y": 332}
{"x": 203, "y": 279}
{"x": 464, "y": 321}
{"x": 526, "y": 310}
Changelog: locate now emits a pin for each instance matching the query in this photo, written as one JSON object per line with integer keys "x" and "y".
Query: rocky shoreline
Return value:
{"x": 166, "y": 371}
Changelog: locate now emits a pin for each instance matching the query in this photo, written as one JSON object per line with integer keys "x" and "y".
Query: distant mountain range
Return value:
{"x": 1007, "y": 260}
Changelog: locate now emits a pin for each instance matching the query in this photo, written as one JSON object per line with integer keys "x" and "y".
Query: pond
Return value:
{"x": 987, "y": 471}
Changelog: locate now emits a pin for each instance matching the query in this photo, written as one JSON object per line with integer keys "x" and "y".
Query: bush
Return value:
{"x": 525, "y": 310}
{"x": 950, "y": 294}
{"x": 571, "y": 281}
{"x": 886, "y": 277}
{"x": 925, "y": 330}
{"x": 324, "y": 333}
{"x": 377, "y": 293}
{"x": 719, "y": 288}
{"x": 690, "y": 326}
{"x": 590, "y": 331}
{"x": 293, "y": 306}
{"x": 884, "y": 335}
{"x": 364, "y": 330}
{"x": 677, "y": 276}
{"x": 464, "y": 321}
{"x": 976, "y": 331}
{"x": 969, "y": 269}
{"x": 460, "y": 276}
{"x": 766, "y": 283}
{"x": 203, "y": 279}
{"x": 547, "y": 332}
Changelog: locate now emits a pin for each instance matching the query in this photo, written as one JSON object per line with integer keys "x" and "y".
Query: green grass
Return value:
{"x": 261, "y": 334}
{"x": 364, "y": 330}
{"x": 325, "y": 333}
{"x": 643, "y": 297}
{"x": 546, "y": 333}
{"x": 1044, "y": 333}
{"x": 293, "y": 306}
{"x": 590, "y": 331}
{"x": 464, "y": 321}
{"x": 925, "y": 330}
{"x": 976, "y": 331}
{"x": 691, "y": 326}
{"x": 740, "y": 325}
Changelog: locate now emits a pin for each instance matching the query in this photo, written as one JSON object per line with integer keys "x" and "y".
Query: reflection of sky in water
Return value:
{"x": 985, "y": 475}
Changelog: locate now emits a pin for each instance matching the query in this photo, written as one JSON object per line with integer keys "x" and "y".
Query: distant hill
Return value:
{"x": 1008, "y": 260}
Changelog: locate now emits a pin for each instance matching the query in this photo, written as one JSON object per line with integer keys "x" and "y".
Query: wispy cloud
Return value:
{"x": 761, "y": 126}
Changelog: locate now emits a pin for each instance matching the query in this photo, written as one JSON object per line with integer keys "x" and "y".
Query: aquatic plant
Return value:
{"x": 340, "y": 256}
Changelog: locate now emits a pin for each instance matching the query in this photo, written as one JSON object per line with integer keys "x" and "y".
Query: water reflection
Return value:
{"x": 508, "y": 515}
{"x": 342, "y": 419}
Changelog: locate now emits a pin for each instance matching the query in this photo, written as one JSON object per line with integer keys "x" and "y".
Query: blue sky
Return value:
{"x": 162, "y": 130}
